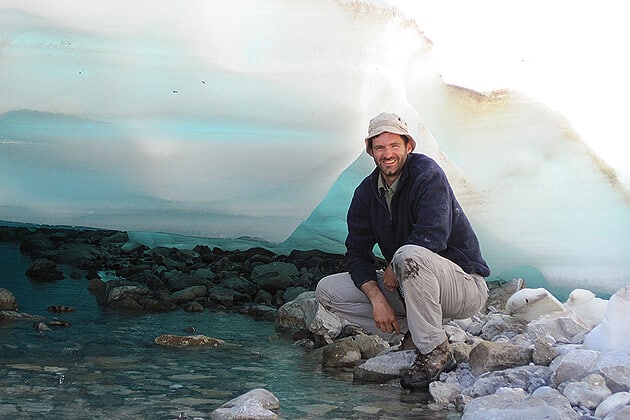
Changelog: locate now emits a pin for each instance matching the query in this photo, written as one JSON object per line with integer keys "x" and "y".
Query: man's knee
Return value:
{"x": 411, "y": 261}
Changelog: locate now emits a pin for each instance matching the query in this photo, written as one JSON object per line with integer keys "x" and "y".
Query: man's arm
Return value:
{"x": 384, "y": 315}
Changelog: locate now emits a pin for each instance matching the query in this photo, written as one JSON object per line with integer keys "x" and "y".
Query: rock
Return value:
{"x": 516, "y": 404}
{"x": 543, "y": 353}
{"x": 444, "y": 393}
{"x": 188, "y": 294}
{"x": 224, "y": 296}
{"x": 18, "y": 316}
{"x": 306, "y": 313}
{"x": 60, "y": 309}
{"x": 194, "y": 307}
{"x": 529, "y": 304}
{"x": 349, "y": 350}
{"x": 7, "y": 301}
{"x": 589, "y": 392}
{"x": 589, "y": 308}
{"x": 559, "y": 327}
{"x": 528, "y": 378}
{"x": 499, "y": 293}
{"x": 488, "y": 356}
{"x": 614, "y": 367}
{"x": 43, "y": 269}
{"x": 170, "y": 340}
{"x": 612, "y": 404}
{"x": 501, "y": 324}
{"x": 274, "y": 269}
{"x": 340, "y": 354}
{"x": 385, "y": 366}
{"x": 253, "y": 405}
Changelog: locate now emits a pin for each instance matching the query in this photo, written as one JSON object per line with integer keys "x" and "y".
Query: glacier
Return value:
{"x": 241, "y": 123}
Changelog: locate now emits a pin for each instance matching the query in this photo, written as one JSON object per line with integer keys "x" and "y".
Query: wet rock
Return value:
{"x": 263, "y": 312}
{"x": 255, "y": 404}
{"x": 7, "y": 301}
{"x": 385, "y": 366}
{"x": 60, "y": 309}
{"x": 194, "y": 307}
{"x": 45, "y": 270}
{"x": 306, "y": 313}
{"x": 349, "y": 350}
{"x": 18, "y": 316}
{"x": 171, "y": 340}
{"x": 188, "y": 294}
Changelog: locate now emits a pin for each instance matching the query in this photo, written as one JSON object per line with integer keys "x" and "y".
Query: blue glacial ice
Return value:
{"x": 246, "y": 119}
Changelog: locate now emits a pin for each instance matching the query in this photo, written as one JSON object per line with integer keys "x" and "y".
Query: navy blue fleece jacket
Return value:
{"x": 424, "y": 212}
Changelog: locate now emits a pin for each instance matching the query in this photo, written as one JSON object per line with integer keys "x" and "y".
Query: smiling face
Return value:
{"x": 390, "y": 154}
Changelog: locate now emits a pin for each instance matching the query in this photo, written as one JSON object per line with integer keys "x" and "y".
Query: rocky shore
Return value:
{"x": 515, "y": 359}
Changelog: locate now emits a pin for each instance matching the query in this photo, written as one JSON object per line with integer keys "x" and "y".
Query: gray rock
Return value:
{"x": 499, "y": 293}
{"x": 188, "y": 294}
{"x": 613, "y": 403}
{"x": 274, "y": 269}
{"x": 589, "y": 392}
{"x": 559, "y": 327}
{"x": 620, "y": 414}
{"x": 501, "y": 324}
{"x": 7, "y": 301}
{"x": 516, "y": 404}
{"x": 224, "y": 296}
{"x": 385, "y": 366}
{"x": 543, "y": 353}
{"x": 306, "y": 313}
{"x": 253, "y": 405}
{"x": 488, "y": 356}
{"x": 614, "y": 367}
{"x": 528, "y": 378}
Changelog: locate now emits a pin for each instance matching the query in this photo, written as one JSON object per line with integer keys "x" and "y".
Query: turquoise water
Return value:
{"x": 105, "y": 364}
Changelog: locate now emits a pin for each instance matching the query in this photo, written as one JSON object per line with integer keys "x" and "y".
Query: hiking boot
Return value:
{"x": 407, "y": 343}
{"x": 427, "y": 367}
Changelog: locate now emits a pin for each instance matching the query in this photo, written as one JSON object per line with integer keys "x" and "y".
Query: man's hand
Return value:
{"x": 384, "y": 316}
{"x": 389, "y": 279}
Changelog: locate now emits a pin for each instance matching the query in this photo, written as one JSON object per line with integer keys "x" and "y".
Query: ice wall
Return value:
{"x": 245, "y": 118}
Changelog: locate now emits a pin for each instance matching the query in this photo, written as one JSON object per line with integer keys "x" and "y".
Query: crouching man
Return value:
{"x": 435, "y": 269}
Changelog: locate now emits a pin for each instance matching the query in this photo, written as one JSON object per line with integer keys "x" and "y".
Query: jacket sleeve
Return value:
{"x": 433, "y": 208}
{"x": 360, "y": 240}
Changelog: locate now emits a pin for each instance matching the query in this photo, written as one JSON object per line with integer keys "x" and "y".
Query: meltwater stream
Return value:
{"x": 106, "y": 365}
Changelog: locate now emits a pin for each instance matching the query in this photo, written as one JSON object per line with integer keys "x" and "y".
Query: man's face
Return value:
{"x": 390, "y": 153}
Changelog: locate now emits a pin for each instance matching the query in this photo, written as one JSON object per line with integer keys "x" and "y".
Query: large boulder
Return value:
{"x": 43, "y": 269}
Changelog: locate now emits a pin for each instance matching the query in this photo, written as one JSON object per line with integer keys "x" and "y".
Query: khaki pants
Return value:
{"x": 433, "y": 287}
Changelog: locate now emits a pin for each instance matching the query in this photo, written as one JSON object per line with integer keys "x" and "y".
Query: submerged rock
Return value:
{"x": 253, "y": 405}
{"x": 170, "y": 340}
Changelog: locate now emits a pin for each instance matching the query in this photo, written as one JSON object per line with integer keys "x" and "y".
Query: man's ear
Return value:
{"x": 368, "y": 147}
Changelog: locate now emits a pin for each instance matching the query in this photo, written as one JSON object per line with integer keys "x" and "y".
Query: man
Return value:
{"x": 435, "y": 269}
